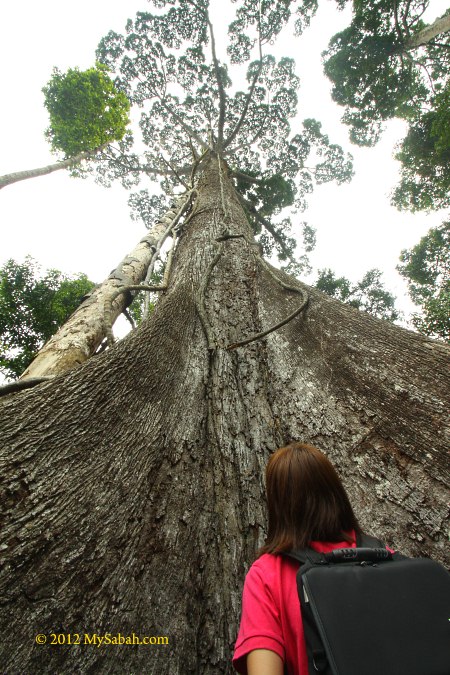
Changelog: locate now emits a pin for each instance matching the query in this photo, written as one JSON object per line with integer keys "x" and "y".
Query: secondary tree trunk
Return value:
{"x": 16, "y": 177}
{"x": 439, "y": 26}
{"x": 133, "y": 485}
{"x": 81, "y": 335}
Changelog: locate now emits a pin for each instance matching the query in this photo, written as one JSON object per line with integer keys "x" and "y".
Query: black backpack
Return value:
{"x": 366, "y": 611}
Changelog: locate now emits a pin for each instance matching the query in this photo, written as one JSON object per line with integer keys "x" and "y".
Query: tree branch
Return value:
{"x": 248, "y": 99}
{"x": 222, "y": 95}
{"x": 397, "y": 23}
{"x": 246, "y": 177}
{"x": 10, "y": 178}
{"x": 149, "y": 170}
{"x": 424, "y": 36}
{"x": 187, "y": 128}
{"x": 129, "y": 318}
{"x": 174, "y": 172}
{"x": 253, "y": 140}
{"x": 269, "y": 227}
{"x": 19, "y": 385}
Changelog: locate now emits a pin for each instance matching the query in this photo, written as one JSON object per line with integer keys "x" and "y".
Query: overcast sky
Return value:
{"x": 77, "y": 226}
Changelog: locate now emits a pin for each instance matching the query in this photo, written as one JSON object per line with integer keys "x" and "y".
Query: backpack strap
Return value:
{"x": 364, "y": 540}
{"x": 305, "y": 555}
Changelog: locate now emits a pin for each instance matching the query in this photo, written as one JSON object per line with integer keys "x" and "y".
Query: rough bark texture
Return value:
{"x": 133, "y": 485}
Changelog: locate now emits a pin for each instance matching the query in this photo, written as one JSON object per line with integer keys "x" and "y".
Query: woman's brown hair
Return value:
{"x": 306, "y": 500}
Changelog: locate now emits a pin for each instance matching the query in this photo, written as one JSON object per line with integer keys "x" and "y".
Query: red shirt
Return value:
{"x": 271, "y": 616}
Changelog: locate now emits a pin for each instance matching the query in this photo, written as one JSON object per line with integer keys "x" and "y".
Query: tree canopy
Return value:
{"x": 33, "y": 304}
{"x": 388, "y": 64}
{"x": 86, "y": 111}
{"x": 190, "y": 109}
{"x": 426, "y": 268}
{"x": 368, "y": 295}
{"x": 425, "y": 157}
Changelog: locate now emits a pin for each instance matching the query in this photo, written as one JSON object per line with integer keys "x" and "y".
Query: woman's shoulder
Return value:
{"x": 271, "y": 565}
{"x": 265, "y": 563}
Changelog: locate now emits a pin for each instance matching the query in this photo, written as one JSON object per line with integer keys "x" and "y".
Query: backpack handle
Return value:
{"x": 358, "y": 555}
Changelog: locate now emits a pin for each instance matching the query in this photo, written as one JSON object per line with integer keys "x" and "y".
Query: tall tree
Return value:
{"x": 133, "y": 494}
{"x": 388, "y": 63}
{"x": 86, "y": 114}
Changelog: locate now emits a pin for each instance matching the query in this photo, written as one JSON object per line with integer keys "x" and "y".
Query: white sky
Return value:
{"x": 77, "y": 226}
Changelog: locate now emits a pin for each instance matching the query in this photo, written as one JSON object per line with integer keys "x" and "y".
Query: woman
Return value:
{"x": 307, "y": 506}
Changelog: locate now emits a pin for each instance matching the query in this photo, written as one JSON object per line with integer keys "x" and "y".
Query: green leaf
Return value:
{"x": 86, "y": 110}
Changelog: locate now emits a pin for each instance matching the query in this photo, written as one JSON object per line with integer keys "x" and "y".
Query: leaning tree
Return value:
{"x": 132, "y": 489}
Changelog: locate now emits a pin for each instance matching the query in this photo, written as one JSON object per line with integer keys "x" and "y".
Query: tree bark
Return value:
{"x": 10, "y": 178}
{"x": 441, "y": 25}
{"x": 133, "y": 489}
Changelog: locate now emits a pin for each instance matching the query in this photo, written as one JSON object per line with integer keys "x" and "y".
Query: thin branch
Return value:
{"x": 124, "y": 289}
{"x": 19, "y": 385}
{"x": 253, "y": 140}
{"x": 17, "y": 176}
{"x": 185, "y": 185}
{"x": 248, "y": 99}
{"x": 404, "y": 17}
{"x": 263, "y": 334}
{"x": 147, "y": 169}
{"x": 269, "y": 227}
{"x": 422, "y": 65}
{"x": 129, "y": 318}
{"x": 222, "y": 95}
{"x": 187, "y": 128}
{"x": 397, "y": 23}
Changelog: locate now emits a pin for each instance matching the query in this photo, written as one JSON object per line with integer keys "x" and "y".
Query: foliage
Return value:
{"x": 368, "y": 295}
{"x": 426, "y": 268}
{"x": 425, "y": 158}
{"x": 86, "y": 111}
{"x": 378, "y": 73}
{"x": 33, "y": 305}
{"x": 189, "y": 109}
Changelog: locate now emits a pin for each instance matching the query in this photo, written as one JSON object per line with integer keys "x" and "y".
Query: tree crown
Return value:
{"x": 86, "y": 111}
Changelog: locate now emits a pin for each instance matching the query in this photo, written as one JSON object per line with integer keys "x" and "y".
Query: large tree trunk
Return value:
{"x": 133, "y": 485}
